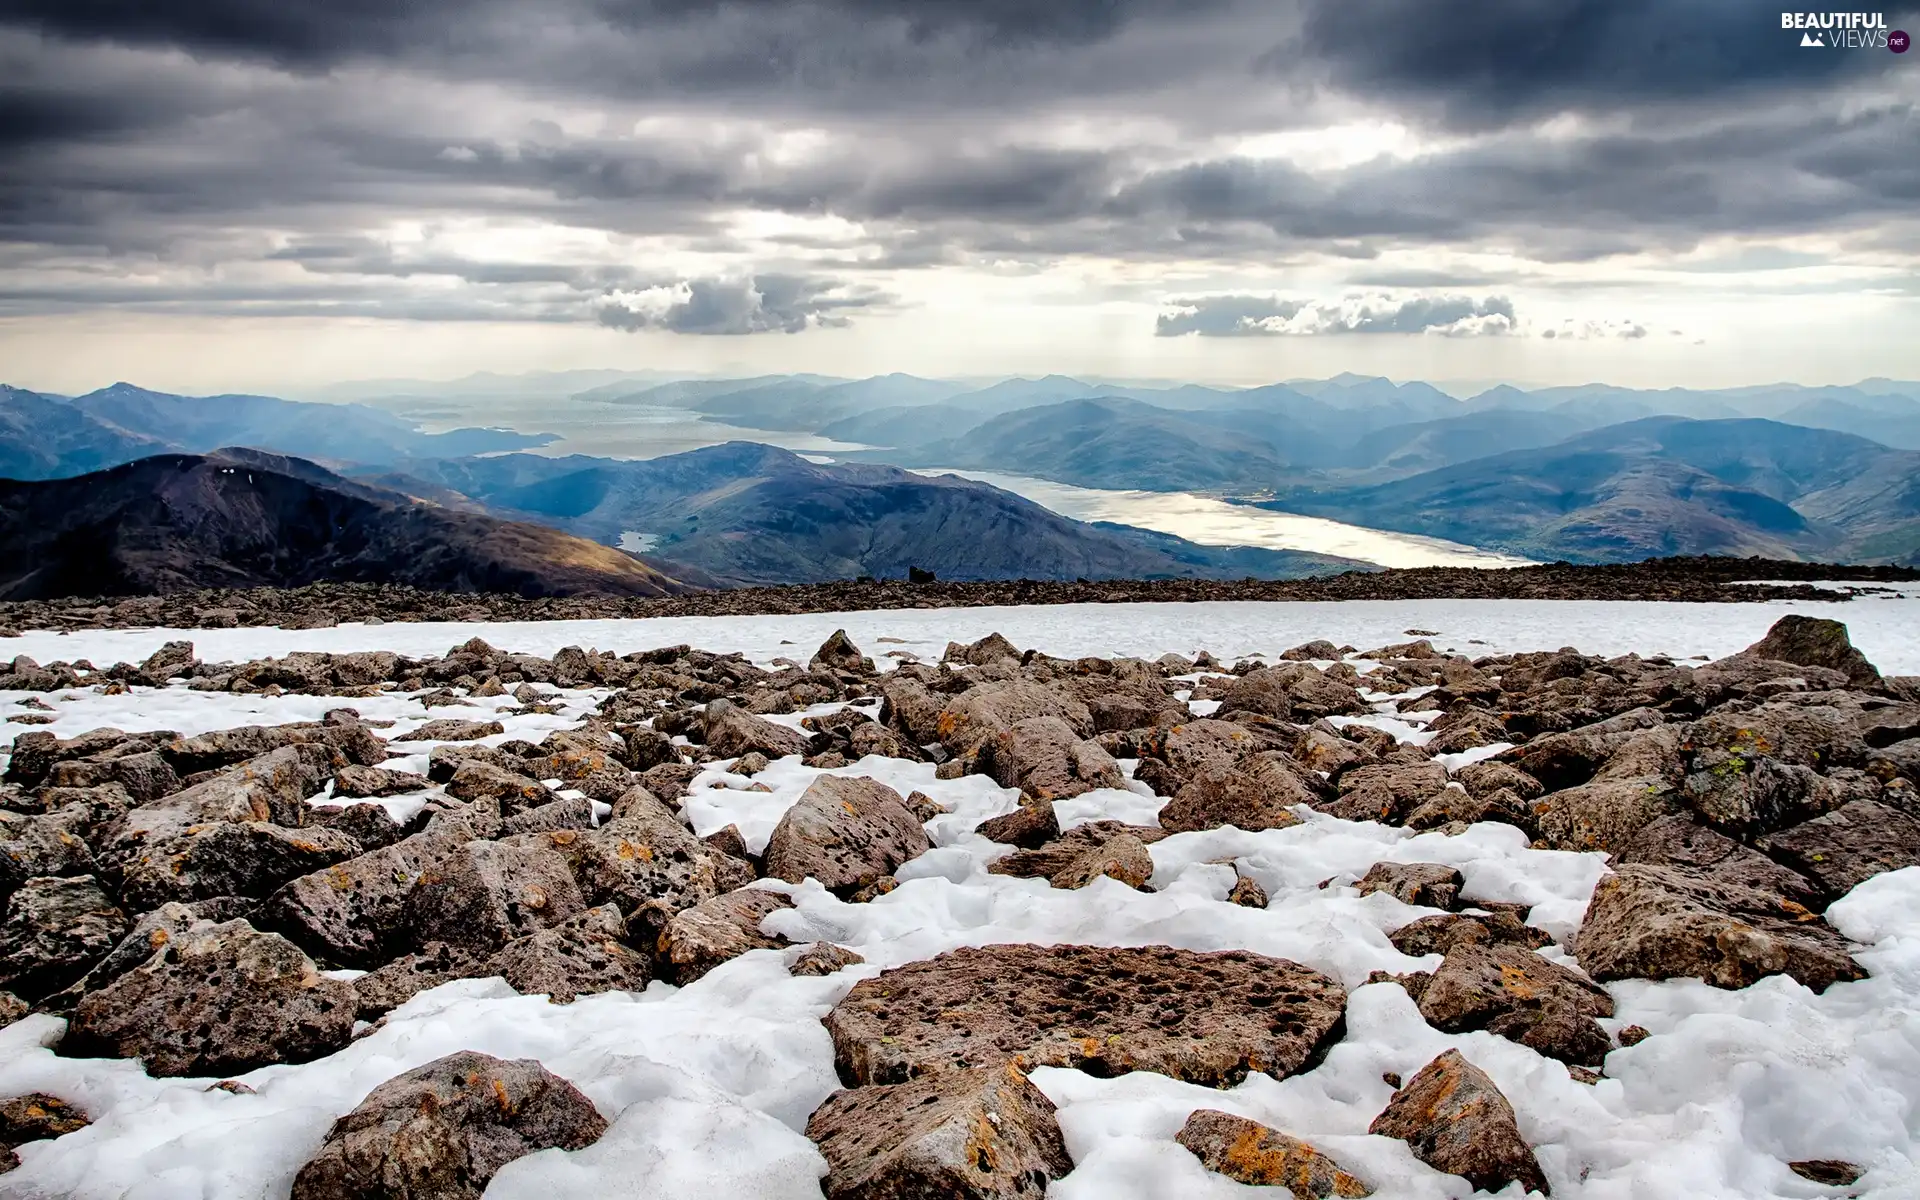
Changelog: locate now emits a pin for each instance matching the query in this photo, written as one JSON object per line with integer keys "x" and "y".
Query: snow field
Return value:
{"x": 708, "y": 1087}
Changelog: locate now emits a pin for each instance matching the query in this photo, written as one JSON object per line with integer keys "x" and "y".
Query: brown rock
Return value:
{"x": 980, "y": 714}
{"x": 981, "y": 1134}
{"x": 698, "y": 939}
{"x": 453, "y": 729}
{"x": 1847, "y": 846}
{"x": 582, "y": 955}
{"x": 1251, "y": 1153}
{"x": 838, "y": 653}
{"x": 216, "y": 1000}
{"x": 1069, "y": 848}
{"x": 1647, "y": 922}
{"x": 1679, "y": 841}
{"x": 732, "y": 731}
{"x": 354, "y": 782}
{"x": 1257, "y": 792}
{"x": 1455, "y": 1120}
{"x": 513, "y": 792}
{"x": 1030, "y": 826}
{"x": 1294, "y": 692}
{"x": 1441, "y": 932}
{"x": 823, "y": 958}
{"x": 1202, "y": 1018}
{"x": 485, "y": 894}
{"x": 1815, "y": 642}
{"x": 1424, "y": 885}
{"x": 1510, "y": 990}
{"x": 1604, "y": 814}
{"x": 1832, "y": 1172}
{"x": 354, "y": 913}
{"x": 846, "y": 833}
{"x": 441, "y": 1131}
{"x": 1247, "y": 893}
{"x": 38, "y": 1117}
{"x": 56, "y": 929}
{"x": 1123, "y": 857}
{"x": 1386, "y": 791}
{"x": 1046, "y": 759}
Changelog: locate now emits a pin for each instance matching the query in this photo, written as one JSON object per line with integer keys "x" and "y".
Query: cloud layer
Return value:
{"x": 761, "y": 166}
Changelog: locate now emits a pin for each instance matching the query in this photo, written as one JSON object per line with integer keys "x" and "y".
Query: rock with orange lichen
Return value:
{"x": 1250, "y": 1153}
{"x": 983, "y": 1134}
{"x": 1456, "y": 1120}
{"x": 1208, "y": 1019}
{"x": 441, "y": 1131}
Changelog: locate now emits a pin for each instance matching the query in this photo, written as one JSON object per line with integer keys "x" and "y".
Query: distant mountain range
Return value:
{"x": 1659, "y": 486}
{"x": 45, "y": 437}
{"x": 1589, "y": 473}
{"x": 245, "y": 519}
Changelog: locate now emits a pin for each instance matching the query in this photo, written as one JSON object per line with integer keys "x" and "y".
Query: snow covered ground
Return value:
{"x": 1884, "y": 628}
{"x": 708, "y": 1087}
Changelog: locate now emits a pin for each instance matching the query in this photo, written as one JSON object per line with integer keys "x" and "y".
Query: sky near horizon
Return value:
{"x": 256, "y": 194}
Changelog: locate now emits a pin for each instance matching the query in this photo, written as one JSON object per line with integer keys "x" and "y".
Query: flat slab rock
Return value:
{"x": 1647, "y": 922}
{"x": 975, "y": 1134}
{"x": 441, "y": 1131}
{"x": 1248, "y": 1152}
{"x": 1202, "y": 1018}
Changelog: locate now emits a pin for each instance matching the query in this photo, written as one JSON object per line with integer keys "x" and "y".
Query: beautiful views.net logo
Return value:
{"x": 1845, "y": 31}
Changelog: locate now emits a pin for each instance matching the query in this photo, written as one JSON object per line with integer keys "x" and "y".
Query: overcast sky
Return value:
{"x": 263, "y": 193}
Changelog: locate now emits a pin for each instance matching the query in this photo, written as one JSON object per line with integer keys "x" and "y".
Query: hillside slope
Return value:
{"x": 751, "y": 513}
{"x": 176, "y": 522}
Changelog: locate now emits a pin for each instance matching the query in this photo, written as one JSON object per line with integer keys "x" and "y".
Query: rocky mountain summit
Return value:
{"x": 217, "y": 901}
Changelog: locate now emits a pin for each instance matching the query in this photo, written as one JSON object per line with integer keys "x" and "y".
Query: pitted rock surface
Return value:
{"x": 1071, "y": 848}
{"x": 1456, "y": 1120}
{"x": 216, "y": 1000}
{"x": 698, "y": 939}
{"x": 984, "y": 1134}
{"x": 1257, "y": 792}
{"x": 1647, "y": 922}
{"x": 441, "y": 1131}
{"x": 1248, "y": 1152}
{"x": 846, "y": 833}
{"x": 1202, "y": 1018}
{"x": 1511, "y": 991}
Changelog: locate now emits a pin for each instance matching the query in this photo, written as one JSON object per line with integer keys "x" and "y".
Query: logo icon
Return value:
{"x": 1898, "y": 41}
{"x": 1811, "y": 39}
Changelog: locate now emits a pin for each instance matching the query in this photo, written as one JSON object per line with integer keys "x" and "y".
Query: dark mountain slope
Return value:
{"x": 176, "y": 522}
{"x": 751, "y": 513}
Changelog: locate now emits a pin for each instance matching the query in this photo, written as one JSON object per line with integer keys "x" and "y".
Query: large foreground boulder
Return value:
{"x": 1815, "y": 642}
{"x": 1647, "y": 922}
{"x": 1456, "y": 1120}
{"x": 982, "y": 1134}
{"x": 216, "y": 1000}
{"x": 441, "y": 1131}
{"x": 1203, "y": 1018}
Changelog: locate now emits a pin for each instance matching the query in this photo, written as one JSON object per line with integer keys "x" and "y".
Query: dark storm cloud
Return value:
{"x": 1489, "y": 61}
{"x": 1268, "y": 316}
{"x": 287, "y": 140}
